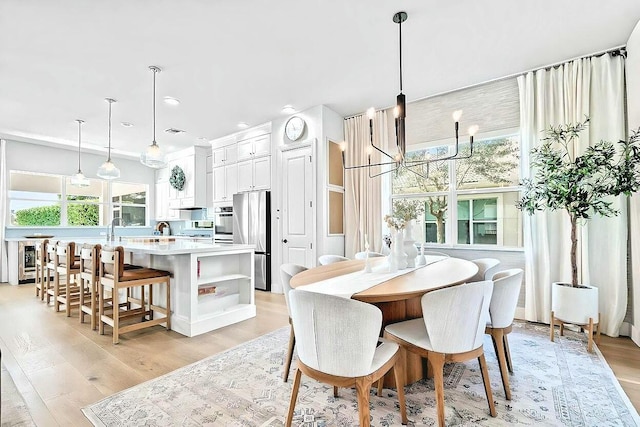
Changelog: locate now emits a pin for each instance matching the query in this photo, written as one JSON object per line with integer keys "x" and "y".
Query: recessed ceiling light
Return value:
{"x": 127, "y": 124}
{"x": 288, "y": 109}
{"x": 171, "y": 101}
{"x": 243, "y": 125}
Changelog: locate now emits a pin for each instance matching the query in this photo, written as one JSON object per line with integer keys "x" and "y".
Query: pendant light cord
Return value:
{"x": 109, "y": 155}
{"x": 79, "y": 139}
{"x": 154, "y": 105}
{"x": 400, "y": 42}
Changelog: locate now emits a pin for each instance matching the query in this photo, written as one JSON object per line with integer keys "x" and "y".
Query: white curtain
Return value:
{"x": 591, "y": 87}
{"x": 4, "y": 274}
{"x": 362, "y": 193}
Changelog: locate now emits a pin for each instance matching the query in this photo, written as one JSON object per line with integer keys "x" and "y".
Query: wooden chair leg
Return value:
{"x": 398, "y": 373}
{"x": 380, "y": 386}
{"x": 115, "y": 295}
{"x": 335, "y": 391}
{"x": 100, "y": 308}
{"x": 362, "y": 390}
{"x": 487, "y": 385}
{"x": 56, "y": 290}
{"x": 590, "y": 337}
{"x": 94, "y": 308}
{"x": 168, "y": 287}
{"x": 561, "y": 329}
{"x": 294, "y": 397}
{"x": 292, "y": 344}
{"x": 507, "y": 353}
{"x": 498, "y": 337}
{"x": 552, "y": 334}
{"x": 598, "y": 330}
{"x": 436, "y": 360}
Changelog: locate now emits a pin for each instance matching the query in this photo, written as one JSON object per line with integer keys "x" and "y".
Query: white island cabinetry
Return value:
{"x": 211, "y": 285}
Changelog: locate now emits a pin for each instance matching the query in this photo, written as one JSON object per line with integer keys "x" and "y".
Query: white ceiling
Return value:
{"x": 242, "y": 60}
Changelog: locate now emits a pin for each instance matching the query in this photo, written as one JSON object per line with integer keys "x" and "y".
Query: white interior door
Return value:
{"x": 297, "y": 207}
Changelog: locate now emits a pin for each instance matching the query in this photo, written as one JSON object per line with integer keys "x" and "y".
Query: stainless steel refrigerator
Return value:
{"x": 252, "y": 226}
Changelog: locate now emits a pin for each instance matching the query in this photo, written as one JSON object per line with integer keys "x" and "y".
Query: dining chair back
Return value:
{"x": 363, "y": 255}
{"x": 41, "y": 268}
{"x": 484, "y": 265}
{"x": 456, "y": 317}
{"x": 89, "y": 269}
{"x": 502, "y": 310}
{"x": 338, "y": 344}
{"x": 68, "y": 267}
{"x": 330, "y": 259}
{"x": 450, "y": 331}
{"x": 287, "y": 271}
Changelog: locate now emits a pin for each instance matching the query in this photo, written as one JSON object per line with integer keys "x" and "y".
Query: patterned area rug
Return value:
{"x": 553, "y": 384}
{"x": 14, "y": 409}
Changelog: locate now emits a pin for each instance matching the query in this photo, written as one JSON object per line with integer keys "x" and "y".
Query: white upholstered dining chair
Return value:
{"x": 484, "y": 265}
{"x": 330, "y": 259}
{"x": 451, "y": 330}
{"x": 337, "y": 342}
{"x": 363, "y": 255}
{"x": 287, "y": 271}
{"x": 502, "y": 310}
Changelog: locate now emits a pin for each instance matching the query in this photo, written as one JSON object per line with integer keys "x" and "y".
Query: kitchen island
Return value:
{"x": 212, "y": 285}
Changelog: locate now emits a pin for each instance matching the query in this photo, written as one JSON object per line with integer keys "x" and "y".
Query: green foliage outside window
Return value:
{"x": 41, "y": 215}
{"x": 77, "y": 214}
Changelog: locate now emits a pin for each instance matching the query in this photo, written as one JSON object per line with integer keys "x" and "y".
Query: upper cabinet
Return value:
{"x": 254, "y": 147}
{"x": 224, "y": 155}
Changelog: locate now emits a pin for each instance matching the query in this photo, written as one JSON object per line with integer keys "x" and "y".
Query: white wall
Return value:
{"x": 40, "y": 158}
{"x": 633, "y": 111}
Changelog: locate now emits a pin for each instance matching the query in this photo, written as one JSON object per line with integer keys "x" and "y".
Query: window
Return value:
{"x": 478, "y": 194}
{"x": 129, "y": 203}
{"x": 37, "y": 199}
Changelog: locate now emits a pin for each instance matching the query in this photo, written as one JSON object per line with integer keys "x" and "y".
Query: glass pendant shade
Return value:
{"x": 79, "y": 180}
{"x": 108, "y": 170}
{"x": 153, "y": 157}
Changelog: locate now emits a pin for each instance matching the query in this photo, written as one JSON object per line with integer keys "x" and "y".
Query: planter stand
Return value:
{"x": 589, "y": 328}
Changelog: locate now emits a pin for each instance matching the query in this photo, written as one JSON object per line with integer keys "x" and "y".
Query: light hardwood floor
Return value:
{"x": 60, "y": 366}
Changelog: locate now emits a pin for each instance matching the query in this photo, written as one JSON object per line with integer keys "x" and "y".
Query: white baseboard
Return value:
{"x": 635, "y": 335}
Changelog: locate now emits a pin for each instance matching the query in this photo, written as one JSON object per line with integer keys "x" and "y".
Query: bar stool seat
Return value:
{"x": 114, "y": 277}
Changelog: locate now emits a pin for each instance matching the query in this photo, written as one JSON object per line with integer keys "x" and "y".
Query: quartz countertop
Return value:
{"x": 152, "y": 245}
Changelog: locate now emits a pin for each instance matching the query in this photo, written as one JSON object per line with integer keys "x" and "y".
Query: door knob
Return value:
{"x": 285, "y": 241}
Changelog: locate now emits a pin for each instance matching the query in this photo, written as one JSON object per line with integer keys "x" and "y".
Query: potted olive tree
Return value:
{"x": 581, "y": 185}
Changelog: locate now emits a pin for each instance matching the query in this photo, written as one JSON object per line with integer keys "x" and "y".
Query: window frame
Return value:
{"x": 453, "y": 194}
{"x": 64, "y": 203}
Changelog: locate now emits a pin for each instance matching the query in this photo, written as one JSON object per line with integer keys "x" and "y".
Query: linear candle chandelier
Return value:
{"x": 399, "y": 160}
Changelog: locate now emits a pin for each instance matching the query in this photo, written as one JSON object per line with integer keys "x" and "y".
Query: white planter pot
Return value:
{"x": 574, "y": 305}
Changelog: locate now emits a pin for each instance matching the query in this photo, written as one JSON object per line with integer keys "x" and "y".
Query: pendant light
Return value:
{"x": 79, "y": 180}
{"x": 153, "y": 155}
{"x": 108, "y": 170}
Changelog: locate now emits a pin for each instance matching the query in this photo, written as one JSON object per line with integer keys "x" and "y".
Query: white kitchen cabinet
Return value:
{"x": 193, "y": 162}
{"x": 225, "y": 183}
{"x": 224, "y": 155}
{"x": 163, "y": 211}
{"x": 209, "y": 187}
{"x": 254, "y": 174}
{"x": 254, "y": 147}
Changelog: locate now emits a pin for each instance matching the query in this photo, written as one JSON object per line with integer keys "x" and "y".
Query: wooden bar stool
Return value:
{"x": 67, "y": 265}
{"x": 41, "y": 268}
{"x": 89, "y": 277}
{"x": 114, "y": 277}
{"x": 50, "y": 270}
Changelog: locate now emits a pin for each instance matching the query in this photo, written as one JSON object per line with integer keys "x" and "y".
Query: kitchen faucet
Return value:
{"x": 111, "y": 235}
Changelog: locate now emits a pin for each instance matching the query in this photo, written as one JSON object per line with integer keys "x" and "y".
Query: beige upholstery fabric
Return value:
{"x": 287, "y": 271}
{"x": 484, "y": 265}
{"x": 338, "y": 336}
{"x": 454, "y": 319}
{"x": 506, "y": 290}
{"x": 330, "y": 259}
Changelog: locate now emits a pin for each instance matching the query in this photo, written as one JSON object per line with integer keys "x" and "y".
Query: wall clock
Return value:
{"x": 294, "y": 128}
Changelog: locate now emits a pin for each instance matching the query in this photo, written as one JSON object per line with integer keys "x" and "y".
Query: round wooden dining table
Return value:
{"x": 398, "y": 298}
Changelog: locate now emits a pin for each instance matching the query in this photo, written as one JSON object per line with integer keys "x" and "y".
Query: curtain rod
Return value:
{"x": 621, "y": 50}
